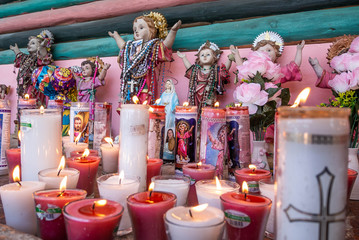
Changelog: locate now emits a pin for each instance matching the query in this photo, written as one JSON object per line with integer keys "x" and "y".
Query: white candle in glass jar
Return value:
{"x": 209, "y": 192}
{"x": 109, "y": 154}
{"x": 266, "y": 188}
{"x": 40, "y": 141}
{"x": 110, "y": 188}
{"x": 74, "y": 146}
{"x": 178, "y": 185}
{"x": 133, "y": 143}
{"x": 195, "y": 225}
{"x": 19, "y": 206}
{"x": 52, "y": 180}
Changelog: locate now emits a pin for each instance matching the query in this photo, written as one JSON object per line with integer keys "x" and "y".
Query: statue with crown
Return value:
{"x": 138, "y": 58}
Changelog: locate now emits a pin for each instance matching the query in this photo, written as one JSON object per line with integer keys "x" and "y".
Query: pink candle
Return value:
{"x": 13, "y": 157}
{"x": 153, "y": 169}
{"x": 246, "y": 218}
{"x": 88, "y": 170}
{"x": 86, "y": 219}
{"x": 78, "y": 153}
{"x": 147, "y": 213}
{"x": 197, "y": 172}
{"x": 352, "y": 175}
{"x": 49, "y": 204}
{"x": 252, "y": 177}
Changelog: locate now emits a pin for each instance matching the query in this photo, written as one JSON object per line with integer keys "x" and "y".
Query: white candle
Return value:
{"x": 110, "y": 157}
{"x": 41, "y": 141}
{"x": 110, "y": 188}
{"x": 208, "y": 191}
{"x": 72, "y": 146}
{"x": 311, "y": 173}
{"x": 19, "y": 206}
{"x": 266, "y": 188}
{"x": 49, "y": 176}
{"x": 65, "y": 139}
{"x": 178, "y": 185}
{"x": 133, "y": 143}
{"x": 203, "y": 225}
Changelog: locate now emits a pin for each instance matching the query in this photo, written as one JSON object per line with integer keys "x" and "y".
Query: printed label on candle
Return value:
{"x": 138, "y": 130}
{"x": 25, "y": 125}
{"x": 253, "y": 186}
{"x": 50, "y": 214}
{"x": 237, "y": 219}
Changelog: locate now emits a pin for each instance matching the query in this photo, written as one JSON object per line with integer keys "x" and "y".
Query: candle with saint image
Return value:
{"x": 311, "y": 175}
{"x": 157, "y": 119}
{"x": 110, "y": 153}
{"x": 92, "y": 219}
{"x": 147, "y": 210}
{"x": 117, "y": 187}
{"x": 251, "y": 175}
{"x": 246, "y": 214}
{"x": 133, "y": 150}
{"x": 77, "y": 146}
{"x": 49, "y": 204}
{"x": 194, "y": 223}
{"x": 18, "y": 204}
{"x": 53, "y": 176}
{"x": 41, "y": 141}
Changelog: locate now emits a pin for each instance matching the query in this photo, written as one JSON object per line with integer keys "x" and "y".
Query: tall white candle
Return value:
{"x": 133, "y": 141}
{"x": 41, "y": 141}
{"x": 19, "y": 206}
{"x": 311, "y": 173}
{"x": 178, "y": 185}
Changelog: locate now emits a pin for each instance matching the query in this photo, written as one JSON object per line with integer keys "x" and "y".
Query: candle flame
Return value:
{"x": 244, "y": 187}
{"x": 69, "y": 132}
{"x": 151, "y": 110}
{"x": 19, "y": 135}
{"x": 100, "y": 203}
{"x": 199, "y": 164}
{"x": 121, "y": 177}
{"x": 302, "y": 97}
{"x": 158, "y": 101}
{"x": 151, "y": 187}
{"x": 63, "y": 184}
{"x": 27, "y": 96}
{"x": 252, "y": 167}
{"x": 78, "y": 138}
{"x": 61, "y": 165}
{"x": 86, "y": 153}
{"x": 200, "y": 208}
{"x": 109, "y": 140}
{"x": 16, "y": 174}
{"x": 218, "y": 184}
{"x": 135, "y": 99}
{"x": 42, "y": 109}
{"x": 216, "y": 104}
{"x": 147, "y": 158}
{"x": 145, "y": 102}
{"x": 238, "y": 105}
{"x": 185, "y": 104}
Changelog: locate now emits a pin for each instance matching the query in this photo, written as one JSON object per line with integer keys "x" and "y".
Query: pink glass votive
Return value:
{"x": 252, "y": 177}
{"x": 352, "y": 175}
{"x": 88, "y": 170}
{"x": 48, "y": 206}
{"x": 196, "y": 173}
{"x": 245, "y": 218}
{"x": 147, "y": 213}
{"x": 13, "y": 157}
{"x": 153, "y": 169}
{"x": 83, "y": 221}
{"x": 78, "y": 153}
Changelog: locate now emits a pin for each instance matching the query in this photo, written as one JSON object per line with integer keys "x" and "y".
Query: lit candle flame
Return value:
{"x": 61, "y": 165}
{"x": 121, "y": 177}
{"x": 16, "y": 174}
{"x": 158, "y": 101}
{"x": 244, "y": 187}
{"x": 145, "y": 102}
{"x": 109, "y": 140}
{"x": 185, "y": 104}
{"x": 63, "y": 184}
{"x": 252, "y": 167}
{"x": 77, "y": 139}
{"x": 199, "y": 164}
{"x": 99, "y": 203}
{"x": 135, "y": 99}
{"x": 42, "y": 109}
{"x": 151, "y": 109}
{"x": 27, "y": 96}
{"x": 86, "y": 153}
{"x": 216, "y": 104}
{"x": 218, "y": 184}
{"x": 200, "y": 208}
{"x": 238, "y": 105}
{"x": 19, "y": 135}
{"x": 302, "y": 97}
{"x": 69, "y": 132}
{"x": 151, "y": 187}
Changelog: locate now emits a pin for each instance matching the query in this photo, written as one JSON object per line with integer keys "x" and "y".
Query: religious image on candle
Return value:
{"x": 186, "y": 140}
{"x": 79, "y": 121}
{"x": 169, "y": 144}
{"x": 156, "y": 129}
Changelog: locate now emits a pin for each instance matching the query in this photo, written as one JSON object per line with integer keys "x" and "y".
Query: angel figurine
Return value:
{"x": 139, "y": 58}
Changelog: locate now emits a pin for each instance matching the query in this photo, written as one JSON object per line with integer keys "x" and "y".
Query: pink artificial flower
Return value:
{"x": 342, "y": 82}
{"x": 353, "y": 63}
{"x": 355, "y": 76}
{"x": 274, "y": 71}
{"x": 340, "y": 63}
{"x": 251, "y": 95}
{"x": 268, "y": 85}
{"x": 354, "y": 46}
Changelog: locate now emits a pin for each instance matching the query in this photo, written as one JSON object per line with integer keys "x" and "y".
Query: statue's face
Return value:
{"x": 269, "y": 50}
{"x": 168, "y": 85}
{"x": 33, "y": 45}
{"x": 86, "y": 70}
{"x": 206, "y": 57}
{"x": 141, "y": 30}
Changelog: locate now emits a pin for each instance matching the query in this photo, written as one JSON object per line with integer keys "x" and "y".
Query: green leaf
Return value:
{"x": 258, "y": 79}
{"x": 285, "y": 96}
{"x": 272, "y": 91}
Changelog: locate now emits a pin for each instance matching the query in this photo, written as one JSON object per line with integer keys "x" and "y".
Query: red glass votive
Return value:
{"x": 147, "y": 213}
{"x": 82, "y": 221}
{"x": 245, "y": 218}
{"x": 80, "y": 153}
{"x": 88, "y": 170}
{"x": 48, "y": 205}
{"x": 352, "y": 175}
{"x": 252, "y": 177}
{"x": 196, "y": 173}
{"x": 13, "y": 157}
{"x": 153, "y": 169}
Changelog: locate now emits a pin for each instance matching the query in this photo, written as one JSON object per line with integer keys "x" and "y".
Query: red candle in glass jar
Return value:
{"x": 92, "y": 219}
{"x": 147, "y": 213}
{"x": 246, "y": 215}
{"x": 87, "y": 166}
{"x": 13, "y": 157}
{"x": 197, "y": 172}
{"x": 153, "y": 169}
{"x": 352, "y": 175}
{"x": 49, "y": 204}
{"x": 92, "y": 152}
{"x": 252, "y": 176}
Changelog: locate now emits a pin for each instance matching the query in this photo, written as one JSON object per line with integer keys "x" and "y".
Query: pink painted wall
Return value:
{"x": 176, "y": 70}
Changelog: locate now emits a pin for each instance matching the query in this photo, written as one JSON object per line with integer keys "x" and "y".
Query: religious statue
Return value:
{"x": 4, "y": 90}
